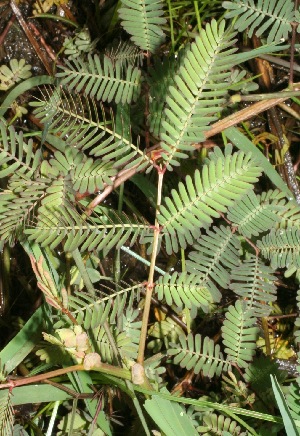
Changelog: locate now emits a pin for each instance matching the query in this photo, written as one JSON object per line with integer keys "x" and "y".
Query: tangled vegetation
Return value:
{"x": 150, "y": 218}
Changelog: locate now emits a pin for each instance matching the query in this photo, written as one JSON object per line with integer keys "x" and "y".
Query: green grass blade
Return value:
{"x": 289, "y": 423}
{"x": 170, "y": 417}
{"x": 23, "y": 87}
{"x": 23, "y": 343}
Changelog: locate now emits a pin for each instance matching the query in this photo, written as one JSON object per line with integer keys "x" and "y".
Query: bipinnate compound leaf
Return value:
{"x": 205, "y": 196}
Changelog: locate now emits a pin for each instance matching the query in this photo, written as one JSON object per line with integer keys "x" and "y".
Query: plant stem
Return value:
{"x": 68, "y": 257}
{"x": 260, "y": 97}
{"x": 197, "y": 13}
{"x": 117, "y": 259}
{"x": 5, "y": 278}
{"x": 150, "y": 284}
{"x": 265, "y": 327}
{"x": 171, "y": 26}
{"x": 53, "y": 417}
{"x": 141, "y": 259}
{"x": 82, "y": 270}
{"x": 103, "y": 368}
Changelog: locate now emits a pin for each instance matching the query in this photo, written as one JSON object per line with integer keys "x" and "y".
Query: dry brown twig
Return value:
{"x": 31, "y": 37}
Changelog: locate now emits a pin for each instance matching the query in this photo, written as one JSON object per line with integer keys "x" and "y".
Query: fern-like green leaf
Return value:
{"x": 126, "y": 53}
{"x": 198, "y": 201}
{"x": 219, "y": 424}
{"x": 185, "y": 289}
{"x": 281, "y": 247}
{"x": 253, "y": 281}
{"x": 57, "y": 202}
{"x": 257, "y": 374}
{"x": 95, "y": 233}
{"x": 274, "y": 17}
{"x": 216, "y": 252}
{"x": 253, "y": 217}
{"x": 143, "y": 20}
{"x": 121, "y": 152}
{"x": 293, "y": 400}
{"x": 80, "y": 44}
{"x": 73, "y": 120}
{"x": 16, "y": 156}
{"x": 161, "y": 77}
{"x": 127, "y": 348}
{"x": 131, "y": 327}
{"x": 88, "y": 313}
{"x": 199, "y": 354}
{"x": 290, "y": 215}
{"x": 287, "y": 211}
{"x": 9, "y": 76}
{"x": 200, "y": 91}
{"x": 239, "y": 334}
{"x": 87, "y": 175}
{"x": 66, "y": 113}
{"x": 101, "y": 79}
{"x": 91, "y": 312}
{"x": 17, "y": 205}
{"x": 153, "y": 369}
{"x": 166, "y": 332}
{"x": 6, "y": 414}
{"x": 116, "y": 308}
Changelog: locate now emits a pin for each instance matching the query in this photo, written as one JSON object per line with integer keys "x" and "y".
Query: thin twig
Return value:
{"x": 30, "y": 36}
{"x": 5, "y": 31}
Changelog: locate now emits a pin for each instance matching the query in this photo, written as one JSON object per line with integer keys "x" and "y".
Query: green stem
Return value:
{"x": 265, "y": 327}
{"x": 117, "y": 259}
{"x": 68, "y": 257}
{"x": 82, "y": 270}
{"x": 197, "y": 13}
{"x": 150, "y": 284}
{"x": 171, "y": 26}
{"x": 4, "y": 279}
{"x": 103, "y": 368}
{"x": 260, "y": 97}
{"x": 141, "y": 259}
{"x": 73, "y": 416}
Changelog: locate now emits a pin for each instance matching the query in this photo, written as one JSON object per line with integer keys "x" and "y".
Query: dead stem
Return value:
{"x": 30, "y": 36}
